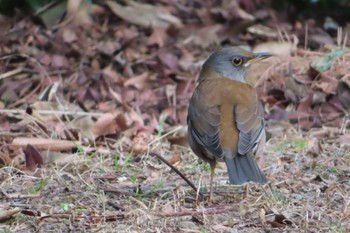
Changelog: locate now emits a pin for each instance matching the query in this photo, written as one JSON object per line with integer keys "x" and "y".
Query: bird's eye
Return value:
{"x": 237, "y": 61}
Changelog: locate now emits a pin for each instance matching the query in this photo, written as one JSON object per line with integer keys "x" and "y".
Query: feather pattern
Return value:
{"x": 225, "y": 119}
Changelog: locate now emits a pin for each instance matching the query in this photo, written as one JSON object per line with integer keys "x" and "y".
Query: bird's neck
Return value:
{"x": 210, "y": 73}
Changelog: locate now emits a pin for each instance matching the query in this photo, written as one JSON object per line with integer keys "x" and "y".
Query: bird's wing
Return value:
{"x": 250, "y": 123}
{"x": 203, "y": 127}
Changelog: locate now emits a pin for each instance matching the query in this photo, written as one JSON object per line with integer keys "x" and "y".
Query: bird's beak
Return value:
{"x": 258, "y": 57}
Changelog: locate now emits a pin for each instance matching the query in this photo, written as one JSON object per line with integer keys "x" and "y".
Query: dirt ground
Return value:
{"x": 305, "y": 193}
{"x": 87, "y": 101}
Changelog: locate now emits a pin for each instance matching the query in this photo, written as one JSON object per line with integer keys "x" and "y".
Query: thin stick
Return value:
{"x": 306, "y": 36}
{"x": 176, "y": 171}
{"x": 52, "y": 112}
{"x": 11, "y": 73}
{"x": 165, "y": 135}
{"x": 206, "y": 211}
{"x": 4, "y": 215}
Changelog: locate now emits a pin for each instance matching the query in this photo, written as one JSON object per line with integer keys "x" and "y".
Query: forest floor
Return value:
{"x": 85, "y": 104}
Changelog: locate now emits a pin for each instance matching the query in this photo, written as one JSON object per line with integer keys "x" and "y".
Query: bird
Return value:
{"x": 225, "y": 118}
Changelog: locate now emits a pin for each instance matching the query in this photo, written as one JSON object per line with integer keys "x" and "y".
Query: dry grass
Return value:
{"x": 121, "y": 192}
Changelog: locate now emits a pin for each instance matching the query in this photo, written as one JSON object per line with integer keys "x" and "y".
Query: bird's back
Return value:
{"x": 225, "y": 121}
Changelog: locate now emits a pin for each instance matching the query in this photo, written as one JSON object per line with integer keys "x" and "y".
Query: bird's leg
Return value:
{"x": 261, "y": 162}
{"x": 212, "y": 174}
{"x": 246, "y": 189}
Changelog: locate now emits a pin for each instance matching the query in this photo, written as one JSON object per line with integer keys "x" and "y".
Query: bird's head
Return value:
{"x": 232, "y": 62}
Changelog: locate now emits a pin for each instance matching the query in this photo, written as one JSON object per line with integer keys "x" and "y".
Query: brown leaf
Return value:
{"x": 278, "y": 114}
{"x": 105, "y": 124}
{"x": 59, "y": 61}
{"x": 69, "y": 35}
{"x": 305, "y": 104}
{"x": 140, "y": 142}
{"x": 276, "y": 47}
{"x": 344, "y": 139}
{"x": 261, "y": 30}
{"x": 138, "y": 81}
{"x": 205, "y": 36}
{"x": 144, "y": 14}
{"x": 168, "y": 59}
{"x": 112, "y": 74}
{"x": 30, "y": 212}
{"x": 108, "y": 47}
{"x": 294, "y": 90}
{"x": 327, "y": 83}
{"x": 122, "y": 122}
{"x": 314, "y": 147}
{"x": 5, "y": 159}
{"x": 7, "y": 214}
{"x": 275, "y": 224}
{"x": 158, "y": 37}
{"x": 331, "y": 112}
{"x": 175, "y": 158}
{"x": 78, "y": 12}
{"x": 280, "y": 218}
{"x": 134, "y": 116}
{"x": 33, "y": 158}
{"x": 61, "y": 158}
{"x": 343, "y": 92}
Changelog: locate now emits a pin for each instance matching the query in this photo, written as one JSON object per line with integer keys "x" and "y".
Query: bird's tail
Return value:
{"x": 242, "y": 169}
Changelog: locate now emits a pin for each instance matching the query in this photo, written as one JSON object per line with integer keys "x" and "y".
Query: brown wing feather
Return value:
{"x": 250, "y": 123}
{"x": 203, "y": 128}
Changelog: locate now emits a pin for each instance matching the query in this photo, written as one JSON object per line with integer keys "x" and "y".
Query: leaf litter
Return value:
{"x": 86, "y": 104}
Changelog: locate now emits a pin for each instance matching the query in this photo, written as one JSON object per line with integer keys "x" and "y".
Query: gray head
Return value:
{"x": 232, "y": 62}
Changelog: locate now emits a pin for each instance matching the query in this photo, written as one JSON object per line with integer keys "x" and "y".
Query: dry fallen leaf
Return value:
{"x": 62, "y": 158}
{"x": 108, "y": 47}
{"x": 159, "y": 37}
{"x": 144, "y": 14}
{"x": 138, "y": 81}
{"x": 69, "y": 35}
{"x": 174, "y": 158}
{"x": 105, "y": 124}
{"x": 261, "y": 30}
{"x": 5, "y": 159}
{"x": 314, "y": 147}
{"x": 58, "y": 61}
{"x": 110, "y": 123}
{"x": 140, "y": 142}
{"x": 277, "y": 47}
{"x": 205, "y": 36}
{"x": 343, "y": 92}
{"x": 168, "y": 59}
{"x": 33, "y": 158}
{"x": 7, "y": 214}
{"x": 78, "y": 11}
{"x": 326, "y": 83}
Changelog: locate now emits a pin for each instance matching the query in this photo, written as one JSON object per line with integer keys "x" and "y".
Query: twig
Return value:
{"x": 20, "y": 196}
{"x": 165, "y": 135}
{"x": 108, "y": 218}
{"x": 11, "y": 73}
{"x": 9, "y": 213}
{"x": 176, "y": 171}
{"x": 131, "y": 190}
{"x": 210, "y": 211}
{"x": 52, "y": 112}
